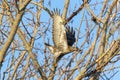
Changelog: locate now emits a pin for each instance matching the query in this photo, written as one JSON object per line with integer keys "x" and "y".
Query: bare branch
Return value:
{"x": 65, "y": 9}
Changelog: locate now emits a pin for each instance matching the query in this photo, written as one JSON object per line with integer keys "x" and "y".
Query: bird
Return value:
{"x": 63, "y": 37}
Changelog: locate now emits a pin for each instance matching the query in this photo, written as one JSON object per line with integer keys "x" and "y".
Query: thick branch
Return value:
{"x": 75, "y": 13}
{"x": 65, "y": 9}
{"x": 10, "y": 37}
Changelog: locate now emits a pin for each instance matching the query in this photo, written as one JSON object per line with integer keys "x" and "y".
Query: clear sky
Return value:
{"x": 75, "y": 22}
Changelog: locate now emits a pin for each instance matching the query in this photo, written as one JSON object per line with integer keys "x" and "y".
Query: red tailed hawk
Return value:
{"x": 63, "y": 37}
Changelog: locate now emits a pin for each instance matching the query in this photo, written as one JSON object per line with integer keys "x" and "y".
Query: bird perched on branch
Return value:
{"x": 63, "y": 37}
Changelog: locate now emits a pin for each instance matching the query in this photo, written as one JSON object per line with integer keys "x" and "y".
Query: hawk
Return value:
{"x": 63, "y": 37}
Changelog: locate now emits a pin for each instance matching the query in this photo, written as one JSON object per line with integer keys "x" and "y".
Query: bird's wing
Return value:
{"x": 59, "y": 32}
{"x": 70, "y": 33}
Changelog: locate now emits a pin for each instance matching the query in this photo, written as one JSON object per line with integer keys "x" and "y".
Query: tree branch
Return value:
{"x": 65, "y": 9}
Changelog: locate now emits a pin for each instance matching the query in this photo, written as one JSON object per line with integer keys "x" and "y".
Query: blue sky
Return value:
{"x": 75, "y": 22}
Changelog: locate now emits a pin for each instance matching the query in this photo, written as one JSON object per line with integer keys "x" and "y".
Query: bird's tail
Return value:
{"x": 51, "y": 48}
